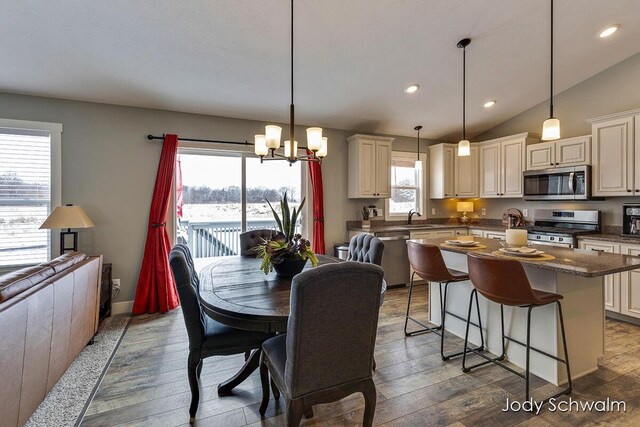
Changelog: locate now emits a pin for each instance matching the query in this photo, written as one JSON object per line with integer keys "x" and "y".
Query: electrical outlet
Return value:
{"x": 116, "y": 283}
{"x": 484, "y": 211}
{"x": 525, "y": 212}
{"x": 433, "y": 211}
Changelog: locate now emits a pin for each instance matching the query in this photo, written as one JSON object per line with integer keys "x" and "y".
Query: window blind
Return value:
{"x": 25, "y": 196}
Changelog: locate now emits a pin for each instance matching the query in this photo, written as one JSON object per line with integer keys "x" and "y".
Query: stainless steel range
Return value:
{"x": 561, "y": 227}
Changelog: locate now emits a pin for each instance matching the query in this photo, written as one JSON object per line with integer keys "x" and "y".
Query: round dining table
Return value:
{"x": 235, "y": 292}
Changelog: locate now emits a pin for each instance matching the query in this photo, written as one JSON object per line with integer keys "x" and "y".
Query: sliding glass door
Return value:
{"x": 220, "y": 195}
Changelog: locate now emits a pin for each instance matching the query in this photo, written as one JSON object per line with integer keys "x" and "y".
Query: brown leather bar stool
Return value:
{"x": 505, "y": 282}
{"x": 427, "y": 262}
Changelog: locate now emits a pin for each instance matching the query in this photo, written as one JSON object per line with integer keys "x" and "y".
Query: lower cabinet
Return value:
{"x": 496, "y": 235}
{"x": 612, "y": 281}
{"x": 630, "y": 286}
{"x": 621, "y": 290}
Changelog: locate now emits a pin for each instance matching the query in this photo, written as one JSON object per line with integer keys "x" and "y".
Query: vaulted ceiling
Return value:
{"x": 353, "y": 58}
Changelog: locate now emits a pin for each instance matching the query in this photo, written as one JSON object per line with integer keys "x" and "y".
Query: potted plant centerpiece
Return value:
{"x": 286, "y": 252}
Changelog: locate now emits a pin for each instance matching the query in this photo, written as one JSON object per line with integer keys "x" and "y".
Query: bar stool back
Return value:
{"x": 505, "y": 282}
{"x": 427, "y": 262}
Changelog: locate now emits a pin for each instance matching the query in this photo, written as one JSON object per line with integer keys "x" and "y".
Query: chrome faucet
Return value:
{"x": 412, "y": 212}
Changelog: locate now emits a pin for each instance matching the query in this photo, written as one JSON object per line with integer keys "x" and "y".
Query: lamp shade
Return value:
{"x": 551, "y": 129}
{"x": 322, "y": 152}
{"x": 287, "y": 148}
{"x": 67, "y": 217}
{"x": 464, "y": 206}
{"x": 418, "y": 165}
{"x": 272, "y": 134}
{"x": 464, "y": 148}
{"x": 260, "y": 144}
{"x": 314, "y": 138}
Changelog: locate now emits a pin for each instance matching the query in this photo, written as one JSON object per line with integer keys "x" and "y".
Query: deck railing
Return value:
{"x": 218, "y": 238}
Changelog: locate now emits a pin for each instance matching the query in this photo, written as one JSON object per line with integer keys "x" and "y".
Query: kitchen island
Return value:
{"x": 576, "y": 274}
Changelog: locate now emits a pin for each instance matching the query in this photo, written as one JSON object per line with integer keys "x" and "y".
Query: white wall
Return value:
{"x": 109, "y": 168}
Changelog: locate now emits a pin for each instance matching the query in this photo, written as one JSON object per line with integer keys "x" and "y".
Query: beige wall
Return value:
{"x": 613, "y": 90}
{"x": 109, "y": 168}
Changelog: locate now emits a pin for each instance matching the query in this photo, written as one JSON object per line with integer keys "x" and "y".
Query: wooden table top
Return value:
{"x": 234, "y": 291}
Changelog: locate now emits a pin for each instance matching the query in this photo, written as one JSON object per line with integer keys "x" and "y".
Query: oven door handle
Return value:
{"x": 572, "y": 178}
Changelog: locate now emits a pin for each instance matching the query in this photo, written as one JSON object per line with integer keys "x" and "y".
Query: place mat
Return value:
{"x": 445, "y": 245}
{"x": 542, "y": 257}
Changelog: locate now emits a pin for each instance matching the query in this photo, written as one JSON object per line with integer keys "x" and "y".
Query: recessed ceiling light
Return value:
{"x": 490, "y": 104}
{"x": 412, "y": 89}
{"x": 608, "y": 31}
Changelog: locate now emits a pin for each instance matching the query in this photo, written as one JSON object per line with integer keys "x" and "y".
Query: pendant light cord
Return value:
{"x": 464, "y": 92}
{"x": 291, "y": 108}
{"x": 551, "y": 86}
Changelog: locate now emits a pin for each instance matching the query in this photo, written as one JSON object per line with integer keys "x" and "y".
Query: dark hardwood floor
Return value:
{"x": 146, "y": 385}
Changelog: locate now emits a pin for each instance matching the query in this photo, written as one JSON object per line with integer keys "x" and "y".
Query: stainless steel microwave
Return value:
{"x": 568, "y": 183}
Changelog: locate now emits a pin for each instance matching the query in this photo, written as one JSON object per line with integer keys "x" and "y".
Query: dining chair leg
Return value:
{"x": 370, "y": 397}
{"x": 408, "y": 317}
{"x": 308, "y": 412}
{"x": 274, "y": 389}
{"x": 194, "y": 383}
{"x": 295, "y": 410}
{"x": 199, "y": 371}
{"x": 264, "y": 380}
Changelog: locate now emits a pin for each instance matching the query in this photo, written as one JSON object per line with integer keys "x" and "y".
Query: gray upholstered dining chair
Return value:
{"x": 206, "y": 336}
{"x": 319, "y": 360}
{"x": 365, "y": 248}
{"x": 250, "y": 239}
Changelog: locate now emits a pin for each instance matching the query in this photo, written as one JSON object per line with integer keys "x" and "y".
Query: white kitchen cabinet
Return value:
{"x": 433, "y": 234}
{"x": 466, "y": 175}
{"x": 369, "y": 166}
{"x": 541, "y": 156}
{"x": 461, "y": 232}
{"x": 496, "y": 235}
{"x": 442, "y": 158}
{"x": 615, "y": 155}
{"x": 630, "y": 285}
{"x": 612, "y": 281}
{"x": 501, "y": 163}
{"x": 560, "y": 153}
{"x": 476, "y": 233}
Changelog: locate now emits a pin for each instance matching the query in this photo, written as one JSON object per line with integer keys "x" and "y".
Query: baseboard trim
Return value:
{"x": 122, "y": 307}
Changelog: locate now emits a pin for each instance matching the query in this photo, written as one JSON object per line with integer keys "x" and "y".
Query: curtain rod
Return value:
{"x": 212, "y": 141}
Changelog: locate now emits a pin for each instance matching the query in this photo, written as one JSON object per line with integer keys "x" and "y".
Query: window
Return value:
{"x": 406, "y": 185}
{"x": 29, "y": 190}
{"x": 223, "y": 195}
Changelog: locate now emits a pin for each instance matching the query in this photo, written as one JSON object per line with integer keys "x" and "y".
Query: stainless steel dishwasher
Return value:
{"x": 395, "y": 260}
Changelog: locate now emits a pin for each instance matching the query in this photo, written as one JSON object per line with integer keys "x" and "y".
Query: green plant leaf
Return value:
{"x": 276, "y": 217}
{"x": 294, "y": 217}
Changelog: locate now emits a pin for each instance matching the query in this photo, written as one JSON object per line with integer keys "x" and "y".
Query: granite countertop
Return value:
{"x": 617, "y": 238}
{"x": 575, "y": 262}
{"x": 386, "y": 227}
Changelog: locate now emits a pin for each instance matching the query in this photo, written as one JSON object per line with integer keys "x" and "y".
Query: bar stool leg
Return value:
{"x": 466, "y": 334}
{"x": 443, "y": 302}
{"x": 528, "y": 353}
{"x": 408, "y": 317}
{"x": 566, "y": 353}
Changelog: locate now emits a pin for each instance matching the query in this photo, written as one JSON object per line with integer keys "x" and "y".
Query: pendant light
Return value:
{"x": 418, "y": 164}
{"x": 551, "y": 126}
{"x": 464, "y": 147}
{"x": 270, "y": 141}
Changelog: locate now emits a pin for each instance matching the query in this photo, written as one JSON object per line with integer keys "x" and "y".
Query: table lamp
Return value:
{"x": 464, "y": 207}
{"x": 68, "y": 216}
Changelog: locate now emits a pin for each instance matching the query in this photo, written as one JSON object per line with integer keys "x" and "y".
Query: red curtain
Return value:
{"x": 156, "y": 289}
{"x": 315, "y": 172}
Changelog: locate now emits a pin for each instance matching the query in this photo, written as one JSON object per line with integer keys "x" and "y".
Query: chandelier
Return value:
{"x": 267, "y": 145}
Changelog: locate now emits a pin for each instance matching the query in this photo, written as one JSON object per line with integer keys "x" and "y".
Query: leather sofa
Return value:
{"x": 48, "y": 313}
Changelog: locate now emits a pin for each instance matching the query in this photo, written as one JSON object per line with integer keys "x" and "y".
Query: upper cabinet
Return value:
{"x": 501, "y": 163}
{"x": 442, "y": 170}
{"x": 560, "y": 153}
{"x": 615, "y": 153}
{"x": 369, "y": 166}
{"x": 466, "y": 174}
